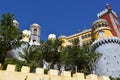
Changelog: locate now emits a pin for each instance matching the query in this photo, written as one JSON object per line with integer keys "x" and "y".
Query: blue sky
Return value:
{"x": 57, "y": 16}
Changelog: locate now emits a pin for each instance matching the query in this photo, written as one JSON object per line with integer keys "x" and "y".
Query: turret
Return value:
{"x": 108, "y": 7}
{"x": 100, "y": 29}
{"x": 35, "y": 34}
{"x": 26, "y": 35}
{"x": 108, "y": 46}
{"x": 16, "y": 23}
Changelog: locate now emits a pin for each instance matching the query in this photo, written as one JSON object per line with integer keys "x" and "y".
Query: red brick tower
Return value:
{"x": 112, "y": 19}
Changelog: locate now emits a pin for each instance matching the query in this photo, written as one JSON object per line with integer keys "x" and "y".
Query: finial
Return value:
{"x": 108, "y": 6}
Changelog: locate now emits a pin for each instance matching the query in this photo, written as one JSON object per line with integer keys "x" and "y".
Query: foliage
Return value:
{"x": 82, "y": 58}
{"x": 10, "y": 36}
{"x": 14, "y": 61}
{"x": 114, "y": 78}
{"x": 32, "y": 56}
{"x": 50, "y": 51}
{"x": 74, "y": 56}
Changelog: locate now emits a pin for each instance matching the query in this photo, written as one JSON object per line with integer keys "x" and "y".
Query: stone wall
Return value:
{"x": 11, "y": 74}
{"x": 109, "y": 62}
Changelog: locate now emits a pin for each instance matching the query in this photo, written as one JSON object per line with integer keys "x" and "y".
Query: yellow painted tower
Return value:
{"x": 100, "y": 29}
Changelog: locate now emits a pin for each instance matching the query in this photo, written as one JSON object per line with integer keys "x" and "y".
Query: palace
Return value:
{"x": 104, "y": 38}
{"x": 86, "y": 36}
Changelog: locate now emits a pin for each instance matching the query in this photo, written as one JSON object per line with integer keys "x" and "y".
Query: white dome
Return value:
{"x": 51, "y": 36}
{"x": 35, "y": 24}
{"x": 27, "y": 32}
{"x": 15, "y": 21}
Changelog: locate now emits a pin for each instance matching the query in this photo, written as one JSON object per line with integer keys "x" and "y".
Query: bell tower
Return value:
{"x": 35, "y": 34}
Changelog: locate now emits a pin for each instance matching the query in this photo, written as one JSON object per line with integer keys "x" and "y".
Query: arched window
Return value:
{"x": 34, "y": 40}
{"x": 103, "y": 24}
{"x": 101, "y": 33}
{"x": 99, "y": 25}
{"x": 35, "y": 31}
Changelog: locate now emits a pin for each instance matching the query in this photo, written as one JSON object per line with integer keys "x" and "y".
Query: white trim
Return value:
{"x": 114, "y": 25}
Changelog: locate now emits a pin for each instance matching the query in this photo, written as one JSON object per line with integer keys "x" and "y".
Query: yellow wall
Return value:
{"x": 87, "y": 39}
{"x": 84, "y": 37}
{"x": 100, "y": 29}
{"x": 64, "y": 41}
{"x": 107, "y": 33}
{"x": 11, "y": 74}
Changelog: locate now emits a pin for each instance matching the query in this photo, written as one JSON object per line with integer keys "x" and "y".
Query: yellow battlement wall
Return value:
{"x": 11, "y": 74}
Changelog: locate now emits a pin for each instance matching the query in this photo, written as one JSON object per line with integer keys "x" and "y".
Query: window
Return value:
{"x": 85, "y": 36}
{"x": 99, "y": 25}
{"x": 35, "y": 31}
{"x": 95, "y": 26}
{"x": 70, "y": 41}
{"x": 101, "y": 33}
{"x": 90, "y": 42}
{"x": 103, "y": 24}
{"x": 82, "y": 37}
{"x": 89, "y": 35}
{"x": 34, "y": 40}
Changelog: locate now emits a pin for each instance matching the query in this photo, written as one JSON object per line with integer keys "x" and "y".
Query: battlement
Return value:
{"x": 11, "y": 74}
{"x": 106, "y": 11}
{"x": 104, "y": 41}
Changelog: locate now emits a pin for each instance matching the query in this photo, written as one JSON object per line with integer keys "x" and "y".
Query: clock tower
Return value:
{"x": 100, "y": 29}
{"x": 112, "y": 19}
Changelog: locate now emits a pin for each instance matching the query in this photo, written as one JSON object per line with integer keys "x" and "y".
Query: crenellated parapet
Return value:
{"x": 102, "y": 13}
{"x": 106, "y": 11}
{"x": 104, "y": 41}
{"x": 109, "y": 47}
{"x": 100, "y": 29}
{"x": 100, "y": 24}
{"x": 11, "y": 74}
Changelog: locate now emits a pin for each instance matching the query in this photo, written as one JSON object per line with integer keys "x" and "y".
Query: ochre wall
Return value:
{"x": 11, "y": 74}
{"x": 107, "y": 33}
{"x": 67, "y": 40}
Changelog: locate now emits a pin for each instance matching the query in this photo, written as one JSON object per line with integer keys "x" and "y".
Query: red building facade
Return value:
{"x": 112, "y": 19}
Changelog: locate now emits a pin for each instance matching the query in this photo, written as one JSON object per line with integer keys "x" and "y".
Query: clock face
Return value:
{"x": 101, "y": 33}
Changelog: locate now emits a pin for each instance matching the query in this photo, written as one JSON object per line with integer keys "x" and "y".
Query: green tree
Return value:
{"x": 32, "y": 56}
{"x": 80, "y": 59}
{"x": 50, "y": 51}
{"x": 111, "y": 78}
{"x": 14, "y": 61}
{"x": 10, "y": 36}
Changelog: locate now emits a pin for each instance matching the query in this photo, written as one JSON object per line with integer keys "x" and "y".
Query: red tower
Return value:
{"x": 112, "y": 19}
